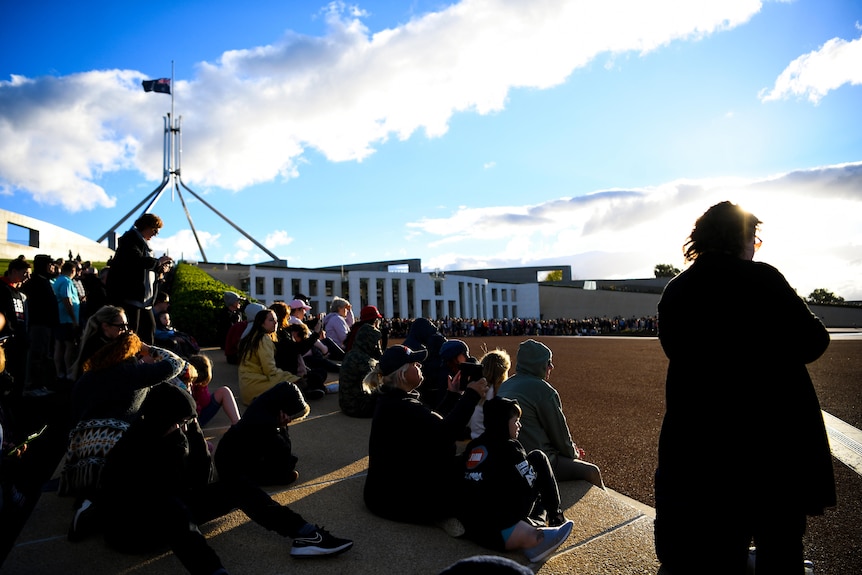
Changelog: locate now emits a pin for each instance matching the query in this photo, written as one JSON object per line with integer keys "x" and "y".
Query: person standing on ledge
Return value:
{"x": 134, "y": 273}
{"x": 737, "y": 394}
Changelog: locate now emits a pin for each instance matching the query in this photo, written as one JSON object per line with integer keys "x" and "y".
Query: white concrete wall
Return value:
{"x": 53, "y": 240}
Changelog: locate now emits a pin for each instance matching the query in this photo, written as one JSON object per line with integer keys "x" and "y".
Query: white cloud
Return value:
{"x": 183, "y": 245}
{"x": 277, "y": 238}
{"x": 817, "y": 73}
{"x": 256, "y": 110}
{"x": 625, "y": 233}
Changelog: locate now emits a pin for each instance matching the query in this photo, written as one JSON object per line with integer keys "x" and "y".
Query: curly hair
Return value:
{"x": 149, "y": 221}
{"x": 724, "y": 228}
{"x": 125, "y": 347}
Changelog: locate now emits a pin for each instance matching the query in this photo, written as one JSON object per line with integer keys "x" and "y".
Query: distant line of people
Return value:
{"x": 474, "y": 327}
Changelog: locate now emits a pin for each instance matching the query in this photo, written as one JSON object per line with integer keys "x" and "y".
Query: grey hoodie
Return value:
{"x": 543, "y": 424}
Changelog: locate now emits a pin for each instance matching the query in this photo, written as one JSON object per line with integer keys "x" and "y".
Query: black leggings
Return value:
{"x": 173, "y": 520}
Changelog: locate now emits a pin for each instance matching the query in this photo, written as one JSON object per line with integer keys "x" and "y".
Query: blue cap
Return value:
{"x": 452, "y": 349}
{"x": 398, "y": 355}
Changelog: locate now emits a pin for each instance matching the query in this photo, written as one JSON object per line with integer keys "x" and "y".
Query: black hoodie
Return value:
{"x": 257, "y": 447}
{"x": 497, "y": 481}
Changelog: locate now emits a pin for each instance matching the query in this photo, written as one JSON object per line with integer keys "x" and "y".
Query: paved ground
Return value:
{"x": 613, "y": 394}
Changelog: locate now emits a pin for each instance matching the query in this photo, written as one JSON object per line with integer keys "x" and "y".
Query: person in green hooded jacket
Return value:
{"x": 359, "y": 362}
{"x": 543, "y": 423}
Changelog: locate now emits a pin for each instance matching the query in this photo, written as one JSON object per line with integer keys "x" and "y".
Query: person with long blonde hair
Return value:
{"x": 102, "y": 327}
{"x": 495, "y": 369}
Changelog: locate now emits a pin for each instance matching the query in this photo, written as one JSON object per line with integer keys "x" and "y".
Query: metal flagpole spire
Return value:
{"x": 172, "y": 174}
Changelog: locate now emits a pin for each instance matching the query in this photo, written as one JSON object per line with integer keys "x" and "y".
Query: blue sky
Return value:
{"x": 481, "y": 133}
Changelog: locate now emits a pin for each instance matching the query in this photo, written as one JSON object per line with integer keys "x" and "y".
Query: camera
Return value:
{"x": 470, "y": 371}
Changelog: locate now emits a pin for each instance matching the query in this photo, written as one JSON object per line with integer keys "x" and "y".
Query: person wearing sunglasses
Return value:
{"x": 104, "y": 326}
{"x": 738, "y": 397}
{"x": 116, "y": 380}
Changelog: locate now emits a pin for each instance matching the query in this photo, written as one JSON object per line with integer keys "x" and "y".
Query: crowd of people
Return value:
{"x": 98, "y": 381}
{"x": 454, "y": 441}
{"x": 467, "y": 327}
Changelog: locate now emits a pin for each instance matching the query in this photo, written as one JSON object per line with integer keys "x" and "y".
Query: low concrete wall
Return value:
{"x": 838, "y": 316}
{"x": 570, "y": 302}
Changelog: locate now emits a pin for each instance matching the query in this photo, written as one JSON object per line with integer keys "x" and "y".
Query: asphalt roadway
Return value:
{"x": 613, "y": 394}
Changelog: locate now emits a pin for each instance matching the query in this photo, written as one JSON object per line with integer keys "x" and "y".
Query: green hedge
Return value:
{"x": 195, "y": 299}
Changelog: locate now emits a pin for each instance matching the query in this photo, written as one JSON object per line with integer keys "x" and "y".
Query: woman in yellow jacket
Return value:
{"x": 257, "y": 369}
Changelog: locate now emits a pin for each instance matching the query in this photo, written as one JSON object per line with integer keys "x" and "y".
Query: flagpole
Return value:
{"x": 173, "y": 89}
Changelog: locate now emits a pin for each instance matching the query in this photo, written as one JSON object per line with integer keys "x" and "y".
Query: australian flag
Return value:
{"x": 162, "y": 85}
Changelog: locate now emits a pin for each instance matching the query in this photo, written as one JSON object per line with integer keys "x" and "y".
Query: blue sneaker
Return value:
{"x": 554, "y": 537}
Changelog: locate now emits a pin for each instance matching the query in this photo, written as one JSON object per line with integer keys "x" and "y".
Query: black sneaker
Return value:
{"x": 313, "y": 394}
{"x": 321, "y": 542}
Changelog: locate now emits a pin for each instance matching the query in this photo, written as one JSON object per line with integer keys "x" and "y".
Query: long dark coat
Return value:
{"x": 743, "y": 427}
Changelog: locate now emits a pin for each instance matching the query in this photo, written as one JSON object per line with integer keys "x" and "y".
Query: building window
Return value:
{"x": 438, "y": 287}
{"x": 278, "y": 286}
{"x": 363, "y": 292}
{"x": 259, "y": 285}
{"x": 411, "y": 293}
{"x": 312, "y": 288}
{"x": 396, "y": 297}
{"x": 295, "y": 286}
{"x": 345, "y": 289}
{"x": 514, "y": 295}
{"x": 329, "y": 286}
{"x": 22, "y": 235}
{"x": 381, "y": 298}
{"x": 493, "y": 294}
{"x": 505, "y": 294}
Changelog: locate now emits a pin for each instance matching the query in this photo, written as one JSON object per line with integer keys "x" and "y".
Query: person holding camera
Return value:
{"x": 412, "y": 466}
{"x": 444, "y": 384}
{"x": 135, "y": 272}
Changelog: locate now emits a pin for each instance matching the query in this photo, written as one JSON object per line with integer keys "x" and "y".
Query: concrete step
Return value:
{"x": 611, "y": 536}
